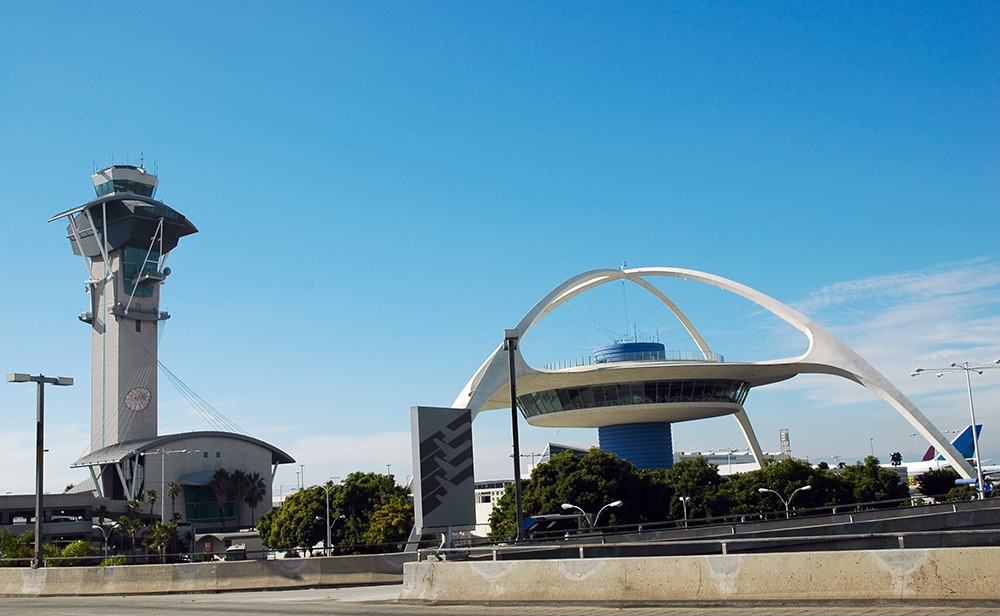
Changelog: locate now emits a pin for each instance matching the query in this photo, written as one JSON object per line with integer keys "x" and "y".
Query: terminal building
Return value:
{"x": 124, "y": 237}
{"x": 633, "y": 392}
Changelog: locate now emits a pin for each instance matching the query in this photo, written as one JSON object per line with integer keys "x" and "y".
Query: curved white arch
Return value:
{"x": 826, "y": 354}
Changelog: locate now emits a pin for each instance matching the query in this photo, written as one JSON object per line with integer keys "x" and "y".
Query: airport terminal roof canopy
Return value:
{"x": 116, "y": 453}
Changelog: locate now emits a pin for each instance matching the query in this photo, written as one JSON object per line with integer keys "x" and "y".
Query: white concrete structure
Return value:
{"x": 489, "y": 386}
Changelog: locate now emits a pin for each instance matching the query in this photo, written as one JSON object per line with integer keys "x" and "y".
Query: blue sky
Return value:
{"x": 382, "y": 188}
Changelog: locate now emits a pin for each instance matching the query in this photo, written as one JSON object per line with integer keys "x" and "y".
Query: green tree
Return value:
{"x": 220, "y": 486}
{"x": 937, "y": 482}
{"x": 162, "y": 537}
{"x": 239, "y": 483}
{"x": 294, "y": 525}
{"x": 256, "y": 493}
{"x": 589, "y": 482}
{"x": 18, "y": 551}
{"x": 74, "y": 554}
{"x": 151, "y": 497}
{"x": 173, "y": 491}
{"x": 299, "y": 521}
{"x": 870, "y": 482}
{"x": 133, "y": 507}
{"x": 391, "y": 521}
{"x": 129, "y": 526}
{"x": 700, "y": 481}
{"x": 357, "y": 498}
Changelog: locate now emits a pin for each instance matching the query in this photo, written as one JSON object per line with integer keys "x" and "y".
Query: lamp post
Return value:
{"x": 684, "y": 502}
{"x": 329, "y": 529}
{"x": 597, "y": 517}
{"x": 41, "y": 379}
{"x": 968, "y": 368}
{"x": 790, "y": 497}
{"x": 105, "y": 532}
{"x": 163, "y": 453}
{"x": 510, "y": 339}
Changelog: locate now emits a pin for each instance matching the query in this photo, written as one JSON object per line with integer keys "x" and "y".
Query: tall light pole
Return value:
{"x": 790, "y": 497}
{"x": 329, "y": 486}
{"x": 510, "y": 339}
{"x": 684, "y": 502}
{"x": 968, "y": 368}
{"x": 41, "y": 379}
{"x": 163, "y": 453}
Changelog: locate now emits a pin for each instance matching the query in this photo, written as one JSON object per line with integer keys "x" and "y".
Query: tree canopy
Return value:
{"x": 376, "y": 510}
{"x": 597, "y": 478}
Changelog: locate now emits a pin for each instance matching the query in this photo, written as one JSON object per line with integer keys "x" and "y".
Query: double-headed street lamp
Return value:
{"x": 586, "y": 516}
{"x": 105, "y": 532}
{"x": 329, "y": 528}
{"x": 684, "y": 502}
{"x": 41, "y": 379}
{"x": 968, "y": 368}
{"x": 790, "y": 497}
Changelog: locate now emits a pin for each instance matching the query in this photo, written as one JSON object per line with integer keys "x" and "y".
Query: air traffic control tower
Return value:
{"x": 124, "y": 237}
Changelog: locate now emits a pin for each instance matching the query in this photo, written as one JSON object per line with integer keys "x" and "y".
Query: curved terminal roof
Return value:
{"x": 119, "y": 451}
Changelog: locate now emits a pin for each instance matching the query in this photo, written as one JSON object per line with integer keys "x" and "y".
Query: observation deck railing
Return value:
{"x": 638, "y": 356}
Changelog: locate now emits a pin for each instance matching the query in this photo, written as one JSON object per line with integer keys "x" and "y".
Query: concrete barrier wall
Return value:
{"x": 881, "y": 575}
{"x": 205, "y": 577}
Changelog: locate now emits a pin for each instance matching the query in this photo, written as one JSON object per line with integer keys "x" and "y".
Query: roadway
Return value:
{"x": 377, "y": 600}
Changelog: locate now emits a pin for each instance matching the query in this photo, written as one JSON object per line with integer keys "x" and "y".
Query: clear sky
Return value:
{"x": 382, "y": 188}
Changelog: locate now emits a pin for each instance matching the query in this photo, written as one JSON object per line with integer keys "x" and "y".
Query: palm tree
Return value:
{"x": 219, "y": 486}
{"x": 256, "y": 493}
{"x": 240, "y": 484}
{"x": 151, "y": 496}
{"x": 133, "y": 507}
{"x": 173, "y": 491}
{"x": 130, "y": 526}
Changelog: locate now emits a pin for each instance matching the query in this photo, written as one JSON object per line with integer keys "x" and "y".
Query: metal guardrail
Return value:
{"x": 695, "y": 547}
{"x": 685, "y": 356}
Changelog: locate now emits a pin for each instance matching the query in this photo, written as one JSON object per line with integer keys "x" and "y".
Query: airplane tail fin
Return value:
{"x": 929, "y": 455}
{"x": 964, "y": 443}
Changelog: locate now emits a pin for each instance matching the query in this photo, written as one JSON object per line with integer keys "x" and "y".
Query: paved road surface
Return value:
{"x": 372, "y": 600}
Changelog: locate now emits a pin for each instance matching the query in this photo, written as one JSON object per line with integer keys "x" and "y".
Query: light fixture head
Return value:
{"x": 617, "y": 503}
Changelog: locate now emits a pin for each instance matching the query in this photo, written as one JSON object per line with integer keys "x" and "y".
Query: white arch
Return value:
{"x": 825, "y": 355}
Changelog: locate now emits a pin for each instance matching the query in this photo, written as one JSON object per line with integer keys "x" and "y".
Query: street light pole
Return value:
{"x": 968, "y": 368}
{"x": 684, "y": 503}
{"x": 597, "y": 517}
{"x": 782, "y": 498}
{"x": 329, "y": 532}
{"x": 163, "y": 477}
{"x": 105, "y": 532}
{"x": 41, "y": 379}
{"x": 510, "y": 339}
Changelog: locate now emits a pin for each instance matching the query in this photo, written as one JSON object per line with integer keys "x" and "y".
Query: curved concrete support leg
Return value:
{"x": 744, "y": 422}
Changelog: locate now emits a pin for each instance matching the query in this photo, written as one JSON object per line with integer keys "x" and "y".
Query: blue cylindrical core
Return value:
{"x": 629, "y": 351}
{"x": 647, "y": 445}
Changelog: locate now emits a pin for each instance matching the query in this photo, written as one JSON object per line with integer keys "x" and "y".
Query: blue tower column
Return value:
{"x": 647, "y": 445}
